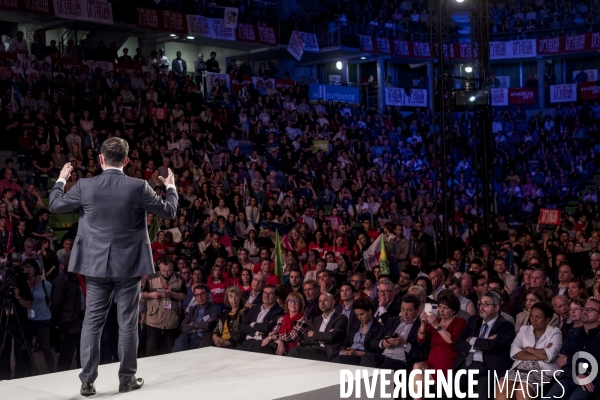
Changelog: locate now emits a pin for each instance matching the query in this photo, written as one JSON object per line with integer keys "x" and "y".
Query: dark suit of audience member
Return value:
{"x": 254, "y": 331}
{"x": 234, "y": 335}
{"x": 196, "y": 331}
{"x": 375, "y": 331}
{"x": 67, "y": 307}
{"x": 179, "y": 67}
{"x": 393, "y": 310}
{"x": 257, "y": 301}
{"x": 488, "y": 349}
{"x": 398, "y": 357}
{"x": 311, "y": 310}
{"x": 325, "y": 343}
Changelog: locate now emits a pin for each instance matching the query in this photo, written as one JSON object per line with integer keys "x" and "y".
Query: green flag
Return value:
{"x": 278, "y": 258}
{"x": 384, "y": 265}
{"x": 153, "y": 231}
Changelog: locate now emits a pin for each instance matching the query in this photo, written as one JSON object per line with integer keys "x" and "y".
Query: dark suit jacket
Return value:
{"x": 112, "y": 237}
{"x": 332, "y": 338}
{"x": 393, "y": 310}
{"x": 496, "y": 352}
{"x": 205, "y": 326}
{"x": 66, "y": 303}
{"x": 353, "y": 322}
{"x": 177, "y": 69}
{"x": 257, "y": 301}
{"x": 264, "y": 327}
{"x": 417, "y": 352}
{"x": 370, "y": 338}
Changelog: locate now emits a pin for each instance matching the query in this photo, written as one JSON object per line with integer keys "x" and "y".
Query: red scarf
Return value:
{"x": 287, "y": 325}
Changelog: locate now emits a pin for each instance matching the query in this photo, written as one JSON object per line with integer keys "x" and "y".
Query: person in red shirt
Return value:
{"x": 218, "y": 284}
{"x": 160, "y": 248}
{"x": 264, "y": 255}
{"x": 338, "y": 247}
{"x": 265, "y": 268}
{"x": 372, "y": 233}
{"x": 319, "y": 244}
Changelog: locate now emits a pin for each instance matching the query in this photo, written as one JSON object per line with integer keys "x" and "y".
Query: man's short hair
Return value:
{"x": 311, "y": 282}
{"x": 495, "y": 296}
{"x": 351, "y": 286}
{"x": 202, "y": 286}
{"x": 115, "y": 151}
{"x": 166, "y": 261}
{"x": 325, "y": 271}
{"x": 411, "y": 298}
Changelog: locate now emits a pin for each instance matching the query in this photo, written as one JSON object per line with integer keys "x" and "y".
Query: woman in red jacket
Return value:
{"x": 217, "y": 284}
{"x": 290, "y": 328}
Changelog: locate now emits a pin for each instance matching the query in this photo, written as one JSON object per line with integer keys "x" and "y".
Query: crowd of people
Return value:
{"x": 331, "y": 177}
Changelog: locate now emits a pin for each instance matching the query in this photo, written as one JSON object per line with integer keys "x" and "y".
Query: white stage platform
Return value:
{"x": 209, "y": 373}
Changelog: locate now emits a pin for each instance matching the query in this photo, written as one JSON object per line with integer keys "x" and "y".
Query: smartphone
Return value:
{"x": 428, "y": 308}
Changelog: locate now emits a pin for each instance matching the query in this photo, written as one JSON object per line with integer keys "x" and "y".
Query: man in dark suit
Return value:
{"x": 260, "y": 321}
{"x": 311, "y": 291}
{"x": 179, "y": 67}
{"x": 485, "y": 343}
{"x": 565, "y": 274}
{"x": 112, "y": 250}
{"x": 388, "y": 305}
{"x": 398, "y": 342}
{"x": 417, "y": 248}
{"x": 328, "y": 331}
{"x": 347, "y": 305}
{"x": 254, "y": 296}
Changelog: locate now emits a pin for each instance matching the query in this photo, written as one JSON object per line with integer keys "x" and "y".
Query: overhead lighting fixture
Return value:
{"x": 459, "y": 1}
{"x": 472, "y": 98}
{"x": 468, "y": 69}
{"x": 363, "y": 58}
{"x": 173, "y": 35}
{"x": 190, "y": 37}
{"x": 338, "y": 65}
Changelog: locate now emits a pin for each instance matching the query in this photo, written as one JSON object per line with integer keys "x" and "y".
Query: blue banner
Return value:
{"x": 336, "y": 93}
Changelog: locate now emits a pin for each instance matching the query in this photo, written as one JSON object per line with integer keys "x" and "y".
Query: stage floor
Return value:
{"x": 209, "y": 373}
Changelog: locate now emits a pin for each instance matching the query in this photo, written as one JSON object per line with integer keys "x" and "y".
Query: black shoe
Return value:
{"x": 88, "y": 389}
{"x": 134, "y": 384}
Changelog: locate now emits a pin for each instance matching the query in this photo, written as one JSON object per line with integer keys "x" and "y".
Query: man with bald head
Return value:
{"x": 560, "y": 304}
{"x": 328, "y": 331}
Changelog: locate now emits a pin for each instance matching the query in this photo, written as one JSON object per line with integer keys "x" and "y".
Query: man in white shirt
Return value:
{"x": 510, "y": 282}
{"x": 328, "y": 331}
{"x": 18, "y": 44}
{"x": 260, "y": 321}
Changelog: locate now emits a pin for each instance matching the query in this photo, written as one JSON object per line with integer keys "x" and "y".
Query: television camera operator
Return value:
{"x": 15, "y": 300}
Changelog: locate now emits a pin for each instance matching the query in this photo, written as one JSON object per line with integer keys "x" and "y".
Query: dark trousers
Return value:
{"x": 100, "y": 292}
{"x": 348, "y": 360}
{"x": 250, "y": 345}
{"x": 382, "y": 362}
{"x": 190, "y": 341}
{"x": 309, "y": 353}
{"x": 68, "y": 348}
{"x": 572, "y": 391}
{"x": 160, "y": 341}
{"x": 41, "y": 331}
{"x": 14, "y": 339}
{"x": 482, "y": 378}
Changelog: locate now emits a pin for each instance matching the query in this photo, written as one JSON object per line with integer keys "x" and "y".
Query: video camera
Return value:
{"x": 10, "y": 272}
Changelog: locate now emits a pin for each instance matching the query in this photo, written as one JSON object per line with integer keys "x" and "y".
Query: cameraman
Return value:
{"x": 14, "y": 292}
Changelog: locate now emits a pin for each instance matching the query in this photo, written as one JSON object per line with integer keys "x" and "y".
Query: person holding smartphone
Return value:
{"x": 440, "y": 333}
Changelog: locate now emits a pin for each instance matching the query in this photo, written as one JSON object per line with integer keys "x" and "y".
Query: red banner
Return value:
{"x": 173, "y": 22}
{"x": 575, "y": 43}
{"x": 420, "y": 50}
{"x": 366, "y": 43}
{"x": 521, "y": 95}
{"x": 550, "y": 46}
{"x": 594, "y": 40}
{"x": 550, "y": 217}
{"x": 246, "y": 33}
{"x": 383, "y": 46}
{"x": 266, "y": 35}
{"x": 9, "y": 5}
{"x": 38, "y": 6}
{"x": 147, "y": 18}
{"x": 401, "y": 48}
{"x": 589, "y": 91}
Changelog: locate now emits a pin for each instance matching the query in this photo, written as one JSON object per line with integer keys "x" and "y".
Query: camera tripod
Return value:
{"x": 16, "y": 332}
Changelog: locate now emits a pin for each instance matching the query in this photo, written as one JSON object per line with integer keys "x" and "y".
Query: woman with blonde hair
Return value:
{"x": 298, "y": 245}
{"x": 290, "y": 328}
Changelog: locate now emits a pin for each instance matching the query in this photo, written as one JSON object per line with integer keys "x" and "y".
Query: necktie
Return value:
{"x": 482, "y": 332}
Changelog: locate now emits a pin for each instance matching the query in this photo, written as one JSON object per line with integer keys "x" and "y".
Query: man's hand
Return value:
{"x": 561, "y": 361}
{"x": 65, "y": 172}
{"x": 588, "y": 387}
{"x": 310, "y": 334}
{"x": 169, "y": 180}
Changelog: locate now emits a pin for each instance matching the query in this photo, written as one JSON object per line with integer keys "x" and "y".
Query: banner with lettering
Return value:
{"x": 550, "y": 46}
{"x": 521, "y": 96}
{"x": 310, "y": 42}
{"x": 563, "y": 93}
{"x": 365, "y": 43}
{"x": 246, "y": 33}
{"x": 499, "y": 97}
{"x": 174, "y": 22}
{"x": 575, "y": 43}
{"x": 37, "y": 6}
{"x": 147, "y": 18}
{"x": 383, "y": 46}
{"x": 401, "y": 48}
{"x": 417, "y": 98}
{"x": 394, "y": 96}
{"x": 421, "y": 50}
{"x": 9, "y": 5}
{"x": 549, "y": 217}
{"x": 296, "y": 46}
{"x": 84, "y": 10}
{"x": 513, "y": 49}
{"x": 589, "y": 91}
{"x": 266, "y": 35}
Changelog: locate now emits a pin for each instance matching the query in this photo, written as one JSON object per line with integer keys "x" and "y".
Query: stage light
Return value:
{"x": 459, "y": 1}
{"x": 173, "y": 35}
{"x": 468, "y": 69}
{"x": 363, "y": 58}
{"x": 472, "y": 98}
{"x": 190, "y": 37}
{"x": 338, "y": 65}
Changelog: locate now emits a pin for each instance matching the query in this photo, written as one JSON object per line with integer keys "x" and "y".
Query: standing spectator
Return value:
{"x": 199, "y": 70}
{"x": 179, "y": 68}
{"x": 164, "y": 292}
{"x": 126, "y": 58}
{"x": 18, "y": 44}
{"x": 212, "y": 65}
